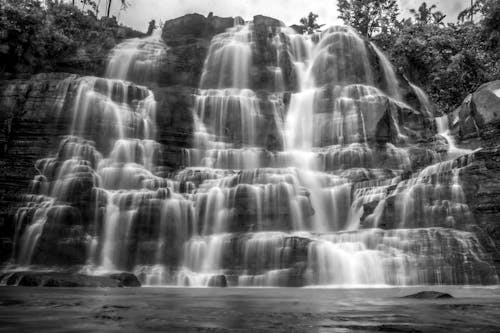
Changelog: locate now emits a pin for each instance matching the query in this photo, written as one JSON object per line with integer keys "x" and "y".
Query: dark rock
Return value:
{"x": 481, "y": 185}
{"x": 29, "y": 130}
{"x": 6, "y": 246}
{"x": 192, "y": 26}
{"x": 174, "y": 122}
{"x": 126, "y": 279}
{"x": 30, "y": 280}
{"x": 56, "y": 279}
{"x": 479, "y": 116}
{"x": 188, "y": 38}
{"x": 429, "y": 295}
{"x": 217, "y": 281}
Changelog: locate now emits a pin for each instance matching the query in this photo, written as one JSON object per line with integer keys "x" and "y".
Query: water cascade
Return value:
{"x": 317, "y": 188}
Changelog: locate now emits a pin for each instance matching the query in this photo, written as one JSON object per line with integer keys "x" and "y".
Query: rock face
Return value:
{"x": 479, "y": 117}
{"x": 188, "y": 38}
{"x": 481, "y": 183}
{"x": 372, "y": 145}
{"x": 31, "y": 128}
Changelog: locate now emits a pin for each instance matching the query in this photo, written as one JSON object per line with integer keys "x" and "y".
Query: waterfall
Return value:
{"x": 309, "y": 185}
{"x": 138, "y": 60}
{"x": 444, "y": 131}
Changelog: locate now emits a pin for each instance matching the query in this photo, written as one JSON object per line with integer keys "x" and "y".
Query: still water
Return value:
{"x": 247, "y": 310}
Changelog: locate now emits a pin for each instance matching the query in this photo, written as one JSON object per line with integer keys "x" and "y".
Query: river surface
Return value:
{"x": 247, "y": 310}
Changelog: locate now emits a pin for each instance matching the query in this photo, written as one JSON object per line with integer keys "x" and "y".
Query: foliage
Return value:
{"x": 469, "y": 12}
{"x": 425, "y": 15}
{"x": 35, "y": 38}
{"x": 308, "y": 24}
{"x": 491, "y": 24}
{"x": 92, "y": 4}
{"x": 369, "y": 16}
{"x": 448, "y": 61}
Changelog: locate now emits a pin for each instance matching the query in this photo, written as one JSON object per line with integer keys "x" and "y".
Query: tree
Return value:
{"x": 491, "y": 25}
{"x": 425, "y": 15}
{"x": 469, "y": 12}
{"x": 39, "y": 38}
{"x": 369, "y": 16}
{"x": 93, "y": 5}
{"x": 308, "y": 24}
{"x": 124, "y": 6}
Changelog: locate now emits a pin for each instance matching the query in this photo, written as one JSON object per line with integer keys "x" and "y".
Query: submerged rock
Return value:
{"x": 429, "y": 295}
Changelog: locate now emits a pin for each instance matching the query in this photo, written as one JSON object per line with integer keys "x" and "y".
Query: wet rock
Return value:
{"x": 481, "y": 185}
{"x": 217, "y": 281}
{"x": 174, "y": 121}
{"x": 55, "y": 279}
{"x": 30, "y": 129}
{"x": 33, "y": 117}
{"x": 429, "y": 295}
{"x": 188, "y": 38}
{"x": 126, "y": 279}
{"x": 6, "y": 247}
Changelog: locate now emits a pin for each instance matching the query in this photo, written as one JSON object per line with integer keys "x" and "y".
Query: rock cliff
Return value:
{"x": 34, "y": 117}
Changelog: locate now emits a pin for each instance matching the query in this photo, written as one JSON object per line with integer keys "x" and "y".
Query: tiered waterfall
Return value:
{"x": 306, "y": 180}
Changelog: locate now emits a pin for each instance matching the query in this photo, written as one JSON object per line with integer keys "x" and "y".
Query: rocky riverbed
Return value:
{"x": 247, "y": 310}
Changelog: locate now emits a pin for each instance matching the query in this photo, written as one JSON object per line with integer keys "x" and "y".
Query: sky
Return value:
{"x": 141, "y": 12}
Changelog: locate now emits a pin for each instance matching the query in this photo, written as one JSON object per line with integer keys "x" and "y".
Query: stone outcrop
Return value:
{"x": 477, "y": 121}
{"x": 188, "y": 38}
{"x": 481, "y": 184}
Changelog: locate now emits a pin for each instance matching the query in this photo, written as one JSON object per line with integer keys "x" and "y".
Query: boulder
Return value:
{"x": 125, "y": 279}
{"x": 479, "y": 116}
{"x": 217, "y": 281}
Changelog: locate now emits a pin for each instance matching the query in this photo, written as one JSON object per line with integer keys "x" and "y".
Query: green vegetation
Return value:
{"x": 369, "y": 16}
{"x": 38, "y": 36}
{"x": 308, "y": 24}
{"x": 448, "y": 60}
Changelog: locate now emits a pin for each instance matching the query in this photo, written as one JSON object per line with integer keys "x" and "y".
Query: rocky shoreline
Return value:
{"x": 66, "y": 279}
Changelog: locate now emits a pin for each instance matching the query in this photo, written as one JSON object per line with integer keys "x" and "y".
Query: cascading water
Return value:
{"x": 329, "y": 139}
{"x": 138, "y": 60}
{"x": 331, "y": 203}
